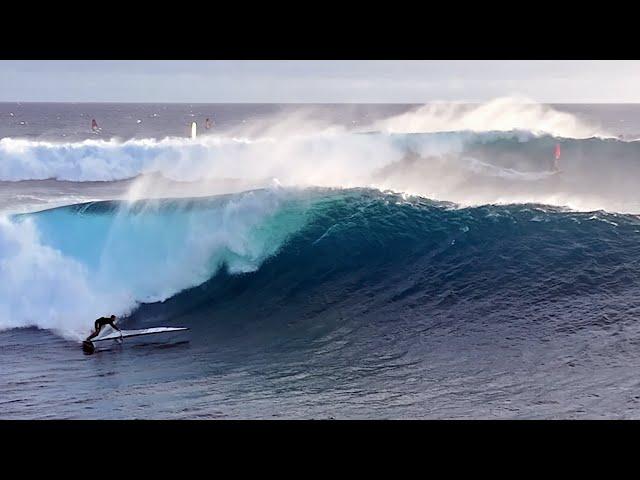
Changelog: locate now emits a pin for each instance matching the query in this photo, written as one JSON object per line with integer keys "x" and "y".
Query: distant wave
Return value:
{"x": 293, "y": 142}
{"x": 468, "y": 168}
{"x": 500, "y": 152}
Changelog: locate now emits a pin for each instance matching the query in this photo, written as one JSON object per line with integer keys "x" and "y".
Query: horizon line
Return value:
{"x": 305, "y": 103}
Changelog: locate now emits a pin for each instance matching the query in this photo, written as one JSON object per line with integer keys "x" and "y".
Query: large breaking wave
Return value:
{"x": 329, "y": 225}
{"x": 298, "y": 254}
{"x": 63, "y": 266}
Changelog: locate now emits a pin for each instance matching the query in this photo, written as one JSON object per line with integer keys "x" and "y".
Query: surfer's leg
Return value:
{"x": 95, "y": 332}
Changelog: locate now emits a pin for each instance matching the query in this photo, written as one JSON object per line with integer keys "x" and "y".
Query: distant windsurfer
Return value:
{"x": 556, "y": 158}
{"x": 94, "y": 125}
{"x": 101, "y": 322}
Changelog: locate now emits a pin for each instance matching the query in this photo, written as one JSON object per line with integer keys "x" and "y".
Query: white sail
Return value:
{"x": 114, "y": 335}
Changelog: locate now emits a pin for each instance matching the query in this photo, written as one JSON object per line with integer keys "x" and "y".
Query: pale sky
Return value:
{"x": 321, "y": 81}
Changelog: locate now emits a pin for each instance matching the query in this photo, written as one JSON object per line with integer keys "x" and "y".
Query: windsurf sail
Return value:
{"x": 194, "y": 128}
{"x": 115, "y": 335}
{"x": 557, "y": 153}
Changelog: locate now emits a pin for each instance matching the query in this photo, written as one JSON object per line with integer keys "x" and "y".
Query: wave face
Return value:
{"x": 364, "y": 257}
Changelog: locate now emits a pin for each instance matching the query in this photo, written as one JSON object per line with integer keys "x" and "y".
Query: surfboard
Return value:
{"x": 115, "y": 335}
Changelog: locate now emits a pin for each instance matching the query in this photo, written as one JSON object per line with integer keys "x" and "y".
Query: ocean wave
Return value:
{"x": 283, "y": 254}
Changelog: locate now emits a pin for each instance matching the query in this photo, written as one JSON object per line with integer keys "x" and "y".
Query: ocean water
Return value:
{"x": 330, "y": 261}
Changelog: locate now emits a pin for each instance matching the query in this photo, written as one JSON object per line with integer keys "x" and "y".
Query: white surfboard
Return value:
{"x": 115, "y": 335}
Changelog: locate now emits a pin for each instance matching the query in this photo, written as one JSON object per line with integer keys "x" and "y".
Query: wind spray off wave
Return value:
{"x": 463, "y": 167}
{"x": 273, "y": 145}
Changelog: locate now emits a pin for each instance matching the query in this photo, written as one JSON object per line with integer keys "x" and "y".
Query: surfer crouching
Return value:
{"x": 101, "y": 322}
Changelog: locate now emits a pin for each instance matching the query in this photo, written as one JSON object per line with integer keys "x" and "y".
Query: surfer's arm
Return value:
{"x": 114, "y": 326}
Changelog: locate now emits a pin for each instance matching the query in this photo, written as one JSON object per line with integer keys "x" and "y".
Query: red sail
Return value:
{"x": 557, "y": 151}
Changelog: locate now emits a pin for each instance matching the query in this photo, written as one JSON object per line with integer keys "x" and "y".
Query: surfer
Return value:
{"x": 207, "y": 124}
{"x": 101, "y": 322}
{"x": 94, "y": 125}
